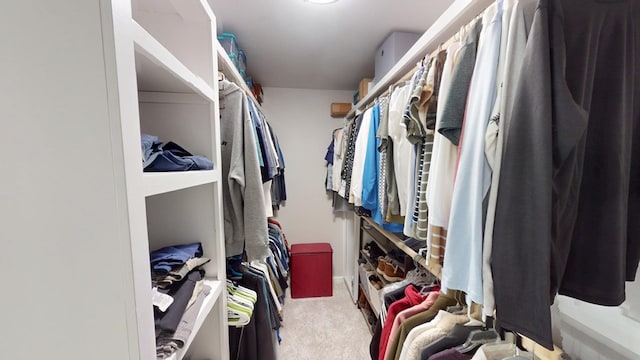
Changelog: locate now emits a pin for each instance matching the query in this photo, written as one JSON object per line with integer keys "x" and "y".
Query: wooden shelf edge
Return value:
{"x": 432, "y": 268}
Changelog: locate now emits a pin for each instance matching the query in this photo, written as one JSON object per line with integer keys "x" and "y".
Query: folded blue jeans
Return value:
{"x": 165, "y": 259}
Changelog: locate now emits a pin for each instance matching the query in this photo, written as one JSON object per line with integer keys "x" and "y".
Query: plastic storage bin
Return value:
{"x": 391, "y": 50}
{"x": 311, "y": 270}
{"x": 249, "y": 81}
{"x": 229, "y": 44}
{"x": 242, "y": 60}
{"x": 234, "y": 60}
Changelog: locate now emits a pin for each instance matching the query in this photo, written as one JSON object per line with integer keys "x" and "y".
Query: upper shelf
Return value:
{"x": 159, "y": 70}
{"x": 435, "y": 269}
{"x": 460, "y": 13}
{"x": 185, "y": 28}
{"x": 155, "y": 183}
{"x": 231, "y": 72}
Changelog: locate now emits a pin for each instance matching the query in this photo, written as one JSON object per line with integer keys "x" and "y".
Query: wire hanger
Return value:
{"x": 516, "y": 350}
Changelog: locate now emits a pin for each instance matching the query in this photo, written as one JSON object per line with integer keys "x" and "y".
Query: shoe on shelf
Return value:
{"x": 393, "y": 272}
{"x": 376, "y": 282}
{"x": 382, "y": 265}
{"x": 373, "y": 250}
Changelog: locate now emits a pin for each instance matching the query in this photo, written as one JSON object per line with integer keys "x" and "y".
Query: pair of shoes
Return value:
{"x": 363, "y": 303}
{"x": 382, "y": 264}
{"x": 389, "y": 269}
{"x": 376, "y": 282}
{"x": 393, "y": 272}
{"x": 372, "y": 250}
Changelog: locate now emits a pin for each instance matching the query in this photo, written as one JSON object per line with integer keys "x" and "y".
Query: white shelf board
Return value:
{"x": 457, "y": 14}
{"x": 231, "y": 72}
{"x": 155, "y": 183}
{"x": 207, "y": 305}
{"x": 189, "y": 10}
{"x": 160, "y": 71}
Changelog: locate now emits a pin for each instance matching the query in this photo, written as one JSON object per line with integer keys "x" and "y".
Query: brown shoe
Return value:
{"x": 393, "y": 272}
{"x": 382, "y": 265}
{"x": 376, "y": 282}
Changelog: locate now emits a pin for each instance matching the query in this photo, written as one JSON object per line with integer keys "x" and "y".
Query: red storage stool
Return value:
{"x": 311, "y": 272}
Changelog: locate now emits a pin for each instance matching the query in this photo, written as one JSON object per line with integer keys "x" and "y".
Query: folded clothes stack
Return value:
{"x": 179, "y": 292}
{"x": 158, "y": 157}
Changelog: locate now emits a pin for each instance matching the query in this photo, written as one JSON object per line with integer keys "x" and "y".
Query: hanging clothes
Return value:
{"x": 371, "y": 171}
{"x": 254, "y": 341}
{"x": 359, "y": 156}
{"x": 347, "y": 166}
{"x": 570, "y": 219}
{"x": 463, "y": 258}
{"x": 443, "y": 163}
{"x": 403, "y": 152}
{"x": 454, "y": 107}
{"x": 515, "y": 29}
{"x": 244, "y": 214}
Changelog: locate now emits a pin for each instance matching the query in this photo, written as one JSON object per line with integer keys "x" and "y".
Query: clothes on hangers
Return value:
{"x": 456, "y": 337}
{"x": 454, "y": 107}
{"x": 244, "y": 213}
{"x": 509, "y": 192}
{"x": 512, "y": 54}
{"x": 580, "y": 199}
{"x": 254, "y": 340}
{"x": 396, "y": 343}
{"x": 443, "y": 163}
{"x": 371, "y": 173}
{"x": 411, "y": 298}
{"x": 438, "y": 330}
{"x": 464, "y": 243}
{"x": 426, "y": 303}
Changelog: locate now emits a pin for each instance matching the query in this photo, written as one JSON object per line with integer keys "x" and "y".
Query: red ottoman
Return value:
{"x": 311, "y": 273}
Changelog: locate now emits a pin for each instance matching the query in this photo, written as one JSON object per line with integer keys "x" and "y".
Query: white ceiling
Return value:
{"x": 296, "y": 44}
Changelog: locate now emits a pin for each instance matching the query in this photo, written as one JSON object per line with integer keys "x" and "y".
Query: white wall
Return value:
{"x": 592, "y": 332}
{"x": 301, "y": 119}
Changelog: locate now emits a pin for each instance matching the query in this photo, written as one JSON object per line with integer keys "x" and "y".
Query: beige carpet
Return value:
{"x": 324, "y": 328}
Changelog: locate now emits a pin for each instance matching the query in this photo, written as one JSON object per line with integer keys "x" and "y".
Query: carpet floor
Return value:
{"x": 324, "y": 328}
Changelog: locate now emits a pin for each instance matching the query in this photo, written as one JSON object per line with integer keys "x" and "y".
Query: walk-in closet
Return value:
{"x": 320, "y": 179}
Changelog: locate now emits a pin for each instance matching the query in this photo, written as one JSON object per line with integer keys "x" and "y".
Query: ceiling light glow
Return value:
{"x": 321, "y": 1}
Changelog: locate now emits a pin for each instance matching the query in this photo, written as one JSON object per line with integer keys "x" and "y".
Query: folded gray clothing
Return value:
{"x": 168, "y": 321}
{"x": 167, "y": 344}
{"x": 177, "y": 274}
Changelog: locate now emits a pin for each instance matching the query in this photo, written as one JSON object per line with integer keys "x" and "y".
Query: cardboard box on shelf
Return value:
{"x": 340, "y": 109}
{"x": 363, "y": 88}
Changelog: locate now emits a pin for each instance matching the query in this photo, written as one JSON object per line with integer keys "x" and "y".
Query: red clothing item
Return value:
{"x": 411, "y": 298}
{"x": 405, "y": 314}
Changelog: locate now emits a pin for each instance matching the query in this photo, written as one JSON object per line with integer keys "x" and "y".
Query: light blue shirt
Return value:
{"x": 463, "y": 255}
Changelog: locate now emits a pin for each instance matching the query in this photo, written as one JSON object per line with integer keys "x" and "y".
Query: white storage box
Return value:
{"x": 391, "y": 50}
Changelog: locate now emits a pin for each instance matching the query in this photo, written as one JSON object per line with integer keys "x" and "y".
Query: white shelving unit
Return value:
{"x": 88, "y": 78}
